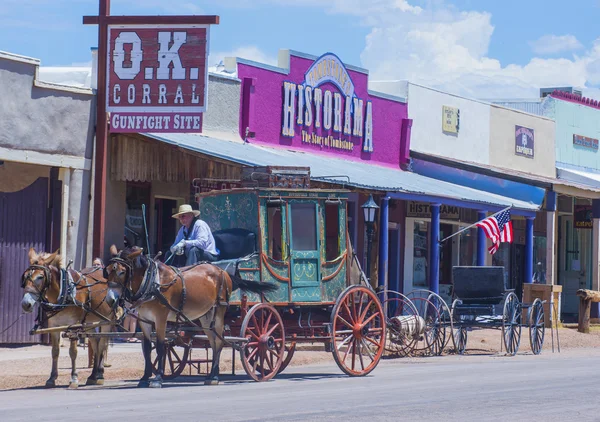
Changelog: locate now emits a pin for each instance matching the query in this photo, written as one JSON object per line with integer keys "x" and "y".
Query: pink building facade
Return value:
{"x": 322, "y": 106}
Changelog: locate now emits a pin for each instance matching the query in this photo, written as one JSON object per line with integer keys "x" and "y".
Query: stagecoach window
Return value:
{"x": 332, "y": 231}
{"x": 275, "y": 232}
{"x": 304, "y": 227}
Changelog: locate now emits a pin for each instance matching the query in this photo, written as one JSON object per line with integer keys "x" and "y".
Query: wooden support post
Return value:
{"x": 586, "y": 297}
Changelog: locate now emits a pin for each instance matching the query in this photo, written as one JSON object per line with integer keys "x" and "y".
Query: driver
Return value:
{"x": 194, "y": 241}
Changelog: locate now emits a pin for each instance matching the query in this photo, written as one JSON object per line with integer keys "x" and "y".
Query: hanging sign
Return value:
{"x": 524, "y": 141}
{"x": 450, "y": 119}
{"x": 420, "y": 209}
{"x": 582, "y": 217}
{"x": 156, "y": 77}
{"x": 585, "y": 142}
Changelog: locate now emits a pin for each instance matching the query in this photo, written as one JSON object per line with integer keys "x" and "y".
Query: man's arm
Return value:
{"x": 178, "y": 238}
{"x": 199, "y": 237}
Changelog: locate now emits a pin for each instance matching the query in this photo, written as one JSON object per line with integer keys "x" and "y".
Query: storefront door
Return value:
{"x": 574, "y": 263}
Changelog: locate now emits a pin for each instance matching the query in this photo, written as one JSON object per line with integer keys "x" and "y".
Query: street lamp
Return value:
{"x": 370, "y": 209}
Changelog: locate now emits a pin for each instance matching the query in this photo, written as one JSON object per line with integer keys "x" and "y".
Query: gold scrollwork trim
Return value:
{"x": 340, "y": 260}
{"x": 265, "y": 260}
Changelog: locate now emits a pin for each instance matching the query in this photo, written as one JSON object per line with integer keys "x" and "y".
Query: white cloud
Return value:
{"x": 249, "y": 52}
{"x": 552, "y": 44}
{"x": 449, "y": 49}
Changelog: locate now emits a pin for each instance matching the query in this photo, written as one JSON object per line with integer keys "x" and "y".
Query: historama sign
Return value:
{"x": 321, "y": 105}
{"x": 156, "y": 77}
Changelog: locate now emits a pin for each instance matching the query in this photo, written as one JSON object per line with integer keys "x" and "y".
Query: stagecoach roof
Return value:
{"x": 397, "y": 183}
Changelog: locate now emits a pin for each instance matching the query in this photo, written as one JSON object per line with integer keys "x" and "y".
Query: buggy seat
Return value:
{"x": 478, "y": 285}
{"x": 234, "y": 245}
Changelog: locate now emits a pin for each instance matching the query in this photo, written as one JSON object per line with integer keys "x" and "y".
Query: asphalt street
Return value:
{"x": 549, "y": 387}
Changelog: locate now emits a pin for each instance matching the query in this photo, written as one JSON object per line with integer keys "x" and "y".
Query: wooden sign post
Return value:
{"x": 128, "y": 60}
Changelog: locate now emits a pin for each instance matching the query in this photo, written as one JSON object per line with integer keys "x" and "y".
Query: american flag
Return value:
{"x": 498, "y": 228}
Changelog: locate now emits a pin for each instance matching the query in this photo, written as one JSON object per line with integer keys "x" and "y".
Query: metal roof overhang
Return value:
{"x": 564, "y": 185}
{"x": 577, "y": 182}
{"x": 396, "y": 183}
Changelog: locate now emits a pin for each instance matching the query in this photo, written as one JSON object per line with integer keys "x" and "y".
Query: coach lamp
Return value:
{"x": 370, "y": 209}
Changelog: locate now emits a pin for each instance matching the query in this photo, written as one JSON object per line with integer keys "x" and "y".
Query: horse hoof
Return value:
{"x": 143, "y": 384}
{"x": 50, "y": 384}
{"x": 100, "y": 381}
{"x": 73, "y": 385}
{"x": 91, "y": 381}
{"x": 107, "y": 365}
{"x": 211, "y": 382}
{"x": 155, "y": 384}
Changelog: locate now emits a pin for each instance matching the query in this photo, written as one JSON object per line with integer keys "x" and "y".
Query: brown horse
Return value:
{"x": 162, "y": 293}
{"x": 68, "y": 297}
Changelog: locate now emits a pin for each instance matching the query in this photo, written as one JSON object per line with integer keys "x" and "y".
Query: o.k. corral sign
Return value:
{"x": 156, "y": 77}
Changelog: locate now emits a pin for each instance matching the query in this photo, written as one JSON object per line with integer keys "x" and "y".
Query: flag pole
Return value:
{"x": 474, "y": 224}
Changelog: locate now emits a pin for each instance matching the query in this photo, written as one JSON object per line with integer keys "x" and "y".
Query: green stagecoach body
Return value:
{"x": 302, "y": 240}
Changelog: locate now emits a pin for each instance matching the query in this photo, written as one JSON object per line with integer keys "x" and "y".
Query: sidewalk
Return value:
{"x": 43, "y": 351}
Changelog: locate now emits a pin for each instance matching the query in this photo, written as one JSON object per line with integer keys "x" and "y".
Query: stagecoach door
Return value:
{"x": 304, "y": 251}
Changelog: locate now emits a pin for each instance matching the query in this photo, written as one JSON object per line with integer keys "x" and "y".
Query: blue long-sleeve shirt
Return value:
{"x": 200, "y": 237}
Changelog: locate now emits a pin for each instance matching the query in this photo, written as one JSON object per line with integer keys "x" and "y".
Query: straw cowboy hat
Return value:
{"x": 184, "y": 209}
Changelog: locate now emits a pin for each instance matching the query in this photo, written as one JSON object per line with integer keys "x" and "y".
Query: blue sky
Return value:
{"x": 480, "y": 48}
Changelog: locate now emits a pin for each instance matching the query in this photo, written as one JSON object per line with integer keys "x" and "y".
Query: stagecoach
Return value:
{"x": 283, "y": 232}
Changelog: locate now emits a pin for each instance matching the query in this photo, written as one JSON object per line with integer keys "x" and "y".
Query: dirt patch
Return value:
{"x": 29, "y": 367}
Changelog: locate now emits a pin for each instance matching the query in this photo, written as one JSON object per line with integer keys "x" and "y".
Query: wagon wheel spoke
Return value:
{"x": 370, "y": 318}
{"x": 347, "y": 309}
{"x": 364, "y": 313}
{"x": 346, "y": 340}
{"x": 266, "y": 326}
{"x": 360, "y": 303}
{"x": 252, "y": 333}
{"x": 360, "y": 357}
{"x": 252, "y": 353}
{"x": 348, "y": 347}
{"x": 272, "y": 329}
{"x": 256, "y": 324}
{"x": 370, "y": 340}
{"x": 345, "y": 322}
{"x": 366, "y": 346}
{"x": 354, "y": 313}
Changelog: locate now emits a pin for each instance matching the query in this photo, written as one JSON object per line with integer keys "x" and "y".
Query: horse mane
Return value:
{"x": 140, "y": 262}
{"x": 41, "y": 257}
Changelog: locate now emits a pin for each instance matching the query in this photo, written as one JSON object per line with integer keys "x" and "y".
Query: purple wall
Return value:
{"x": 262, "y": 110}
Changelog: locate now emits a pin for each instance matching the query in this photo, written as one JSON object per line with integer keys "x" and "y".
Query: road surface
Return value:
{"x": 549, "y": 387}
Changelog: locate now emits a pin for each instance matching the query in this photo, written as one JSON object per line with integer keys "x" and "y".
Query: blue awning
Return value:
{"x": 398, "y": 183}
{"x": 510, "y": 189}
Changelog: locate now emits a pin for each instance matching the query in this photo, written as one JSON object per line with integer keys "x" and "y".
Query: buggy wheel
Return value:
{"x": 177, "y": 354}
{"x": 429, "y": 338}
{"x": 290, "y": 348}
{"x": 511, "y": 324}
{"x": 262, "y": 355}
{"x": 459, "y": 332}
{"x": 358, "y": 331}
{"x": 400, "y": 314}
{"x": 537, "y": 325}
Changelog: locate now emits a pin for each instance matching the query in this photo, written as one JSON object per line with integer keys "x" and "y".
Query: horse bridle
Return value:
{"x": 128, "y": 275}
{"x": 27, "y": 276}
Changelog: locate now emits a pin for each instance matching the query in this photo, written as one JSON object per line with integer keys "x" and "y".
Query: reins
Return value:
{"x": 153, "y": 290}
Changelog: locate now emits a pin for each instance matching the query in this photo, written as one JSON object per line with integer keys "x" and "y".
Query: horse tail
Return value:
{"x": 251, "y": 285}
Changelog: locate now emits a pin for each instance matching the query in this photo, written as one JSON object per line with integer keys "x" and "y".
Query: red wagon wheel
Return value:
{"x": 358, "y": 331}
{"x": 176, "y": 357}
{"x": 262, "y": 355}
